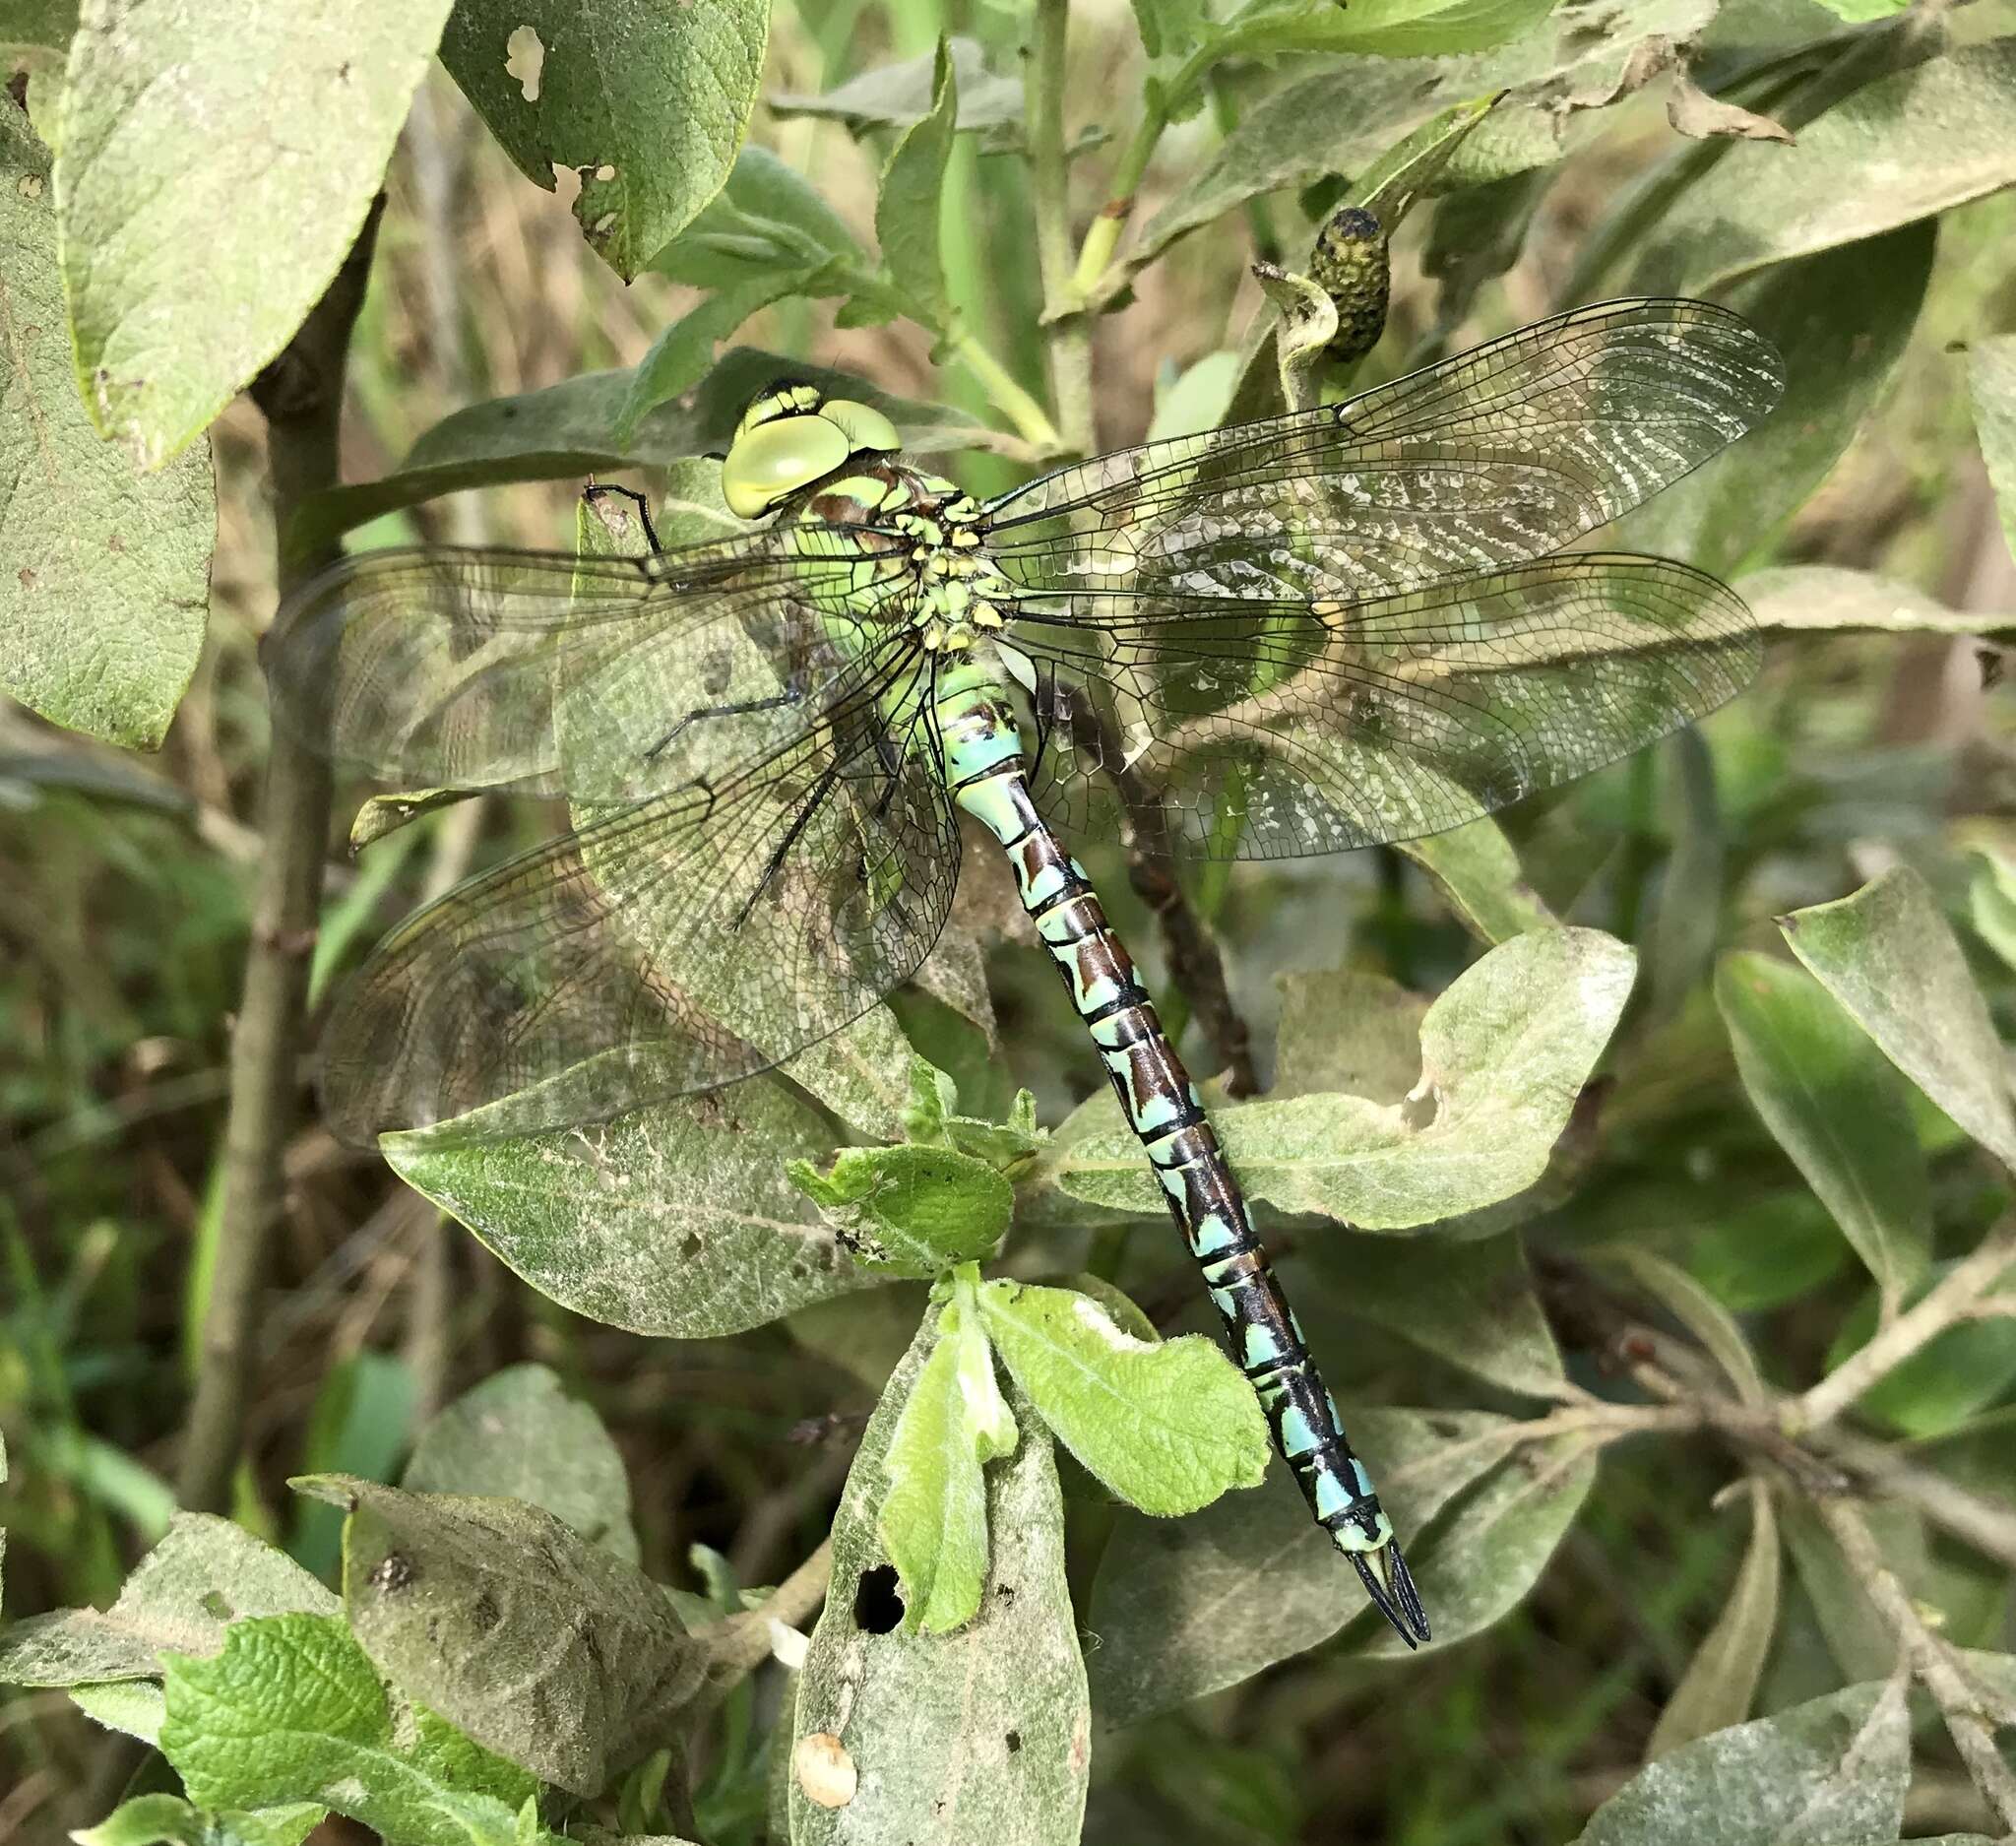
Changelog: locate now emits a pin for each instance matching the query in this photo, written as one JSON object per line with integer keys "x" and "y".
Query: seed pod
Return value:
{"x": 1354, "y": 267}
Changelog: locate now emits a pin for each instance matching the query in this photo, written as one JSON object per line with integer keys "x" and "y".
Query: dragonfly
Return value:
{"x": 1346, "y": 626}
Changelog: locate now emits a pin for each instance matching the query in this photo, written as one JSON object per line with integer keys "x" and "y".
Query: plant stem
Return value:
{"x": 1950, "y": 1302}
{"x": 1196, "y": 969}
{"x": 1031, "y": 421}
{"x": 1103, "y": 234}
{"x": 301, "y": 396}
{"x": 1969, "y": 1718}
{"x": 1067, "y": 332}
{"x": 739, "y": 1653}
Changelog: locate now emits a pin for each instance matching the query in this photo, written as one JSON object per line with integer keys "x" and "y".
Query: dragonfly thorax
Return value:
{"x": 952, "y": 590}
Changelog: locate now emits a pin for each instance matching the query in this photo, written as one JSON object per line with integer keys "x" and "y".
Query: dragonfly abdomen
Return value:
{"x": 986, "y": 775}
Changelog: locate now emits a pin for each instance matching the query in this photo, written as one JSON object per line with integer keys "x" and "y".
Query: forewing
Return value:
{"x": 448, "y": 666}
{"x": 1502, "y": 454}
{"x": 1267, "y": 730}
{"x": 664, "y": 947}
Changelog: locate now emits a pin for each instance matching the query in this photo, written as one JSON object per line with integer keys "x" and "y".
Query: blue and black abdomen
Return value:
{"x": 985, "y": 773}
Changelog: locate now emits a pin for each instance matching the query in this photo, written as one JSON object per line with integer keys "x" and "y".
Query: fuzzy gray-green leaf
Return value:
{"x": 519, "y": 1435}
{"x": 678, "y": 1220}
{"x": 1888, "y": 956}
{"x": 1505, "y": 1054}
{"x": 1835, "y": 1106}
{"x": 1012, "y": 1672}
{"x": 107, "y": 578}
{"x": 216, "y": 165}
{"x": 542, "y": 1647}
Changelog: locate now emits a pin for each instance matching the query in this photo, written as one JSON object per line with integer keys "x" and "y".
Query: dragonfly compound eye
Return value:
{"x": 866, "y": 429}
{"x": 775, "y": 460}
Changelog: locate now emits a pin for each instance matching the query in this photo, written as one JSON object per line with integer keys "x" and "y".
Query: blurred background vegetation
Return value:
{"x": 123, "y": 913}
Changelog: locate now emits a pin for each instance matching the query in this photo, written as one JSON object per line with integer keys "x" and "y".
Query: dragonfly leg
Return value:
{"x": 596, "y": 491}
{"x": 799, "y": 821}
{"x": 790, "y": 695}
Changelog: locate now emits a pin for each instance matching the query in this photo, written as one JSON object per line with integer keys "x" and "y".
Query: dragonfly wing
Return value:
{"x": 663, "y": 947}
{"x": 1502, "y": 454}
{"x": 446, "y": 667}
{"x": 1268, "y": 731}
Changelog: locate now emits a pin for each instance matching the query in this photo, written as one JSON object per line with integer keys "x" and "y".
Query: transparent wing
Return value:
{"x": 1500, "y": 455}
{"x": 446, "y": 667}
{"x": 664, "y": 947}
{"x": 1270, "y": 729}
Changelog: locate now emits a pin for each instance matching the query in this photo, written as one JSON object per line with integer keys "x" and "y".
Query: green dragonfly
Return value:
{"x": 1316, "y": 632}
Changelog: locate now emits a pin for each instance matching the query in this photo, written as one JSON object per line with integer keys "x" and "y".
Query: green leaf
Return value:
{"x": 1860, "y": 1637}
{"x": 134, "y": 1706}
{"x": 539, "y": 1645}
{"x": 1195, "y": 398}
{"x": 1831, "y": 1770}
{"x": 681, "y": 354}
{"x": 1834, "y": 1103}
{"x": 29, "y": 27}
{"x": 934, "y": 1518}
{"x": 1344, "y": 118}
{"x": 1955, "y": 1376}
{"x": 767, "y": 218}
{"x": 1478, "y": 874}
{"x": 276, "y": 125}
{"x": 1473, "y": 1305}
{"x": 1992, "y": 904}
{"x": 107, "y": 576}
{"x": 646, "y": 99}
{"x": 908, "y": 207}
{"x": 1696, "y": 1309}
{"x": 898, "y": 96}
{"x": 1167, "y": 1427}
{"x": 570, "y": 429}
{"x": 1492, "y": 1549}
{"x": 1842, "y": 319}
{"x": 290, "y": 1710}
{"x": 1002, "y": 1699}
{"x": 1888, "y": 956}
{"x": 676, "y": 1220}
{"x": 1164, "y": 1588}
{"x": 519, "y": 1435}
{"x": 1991, "y": 382}
{"x": 1721, "y": 1682}
{"x": 1841, "y": 182}
{"x": 910, "y": 1210}
{"x": 1505, "y": 1054}
{"x": 1797, "y": 599}
{"x": 168, "y": 1820}
{"x": 1170, "y": 27}
{"x": 1428, "y": 28}
{"x": 204, "y": 1576}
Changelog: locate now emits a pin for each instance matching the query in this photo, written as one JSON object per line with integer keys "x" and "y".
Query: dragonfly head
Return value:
{"x": 791, "y": 435}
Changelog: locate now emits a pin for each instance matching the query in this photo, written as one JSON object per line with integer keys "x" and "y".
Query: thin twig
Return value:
{"x": 1978, "y": 1519}
{"x": 1969, "y": 1719}
{"x": 1196, "y": 969}
{"x": 1943, "y": 1306}
{"x": 301, "y": 396}
{"x": 747, "y": 1640}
